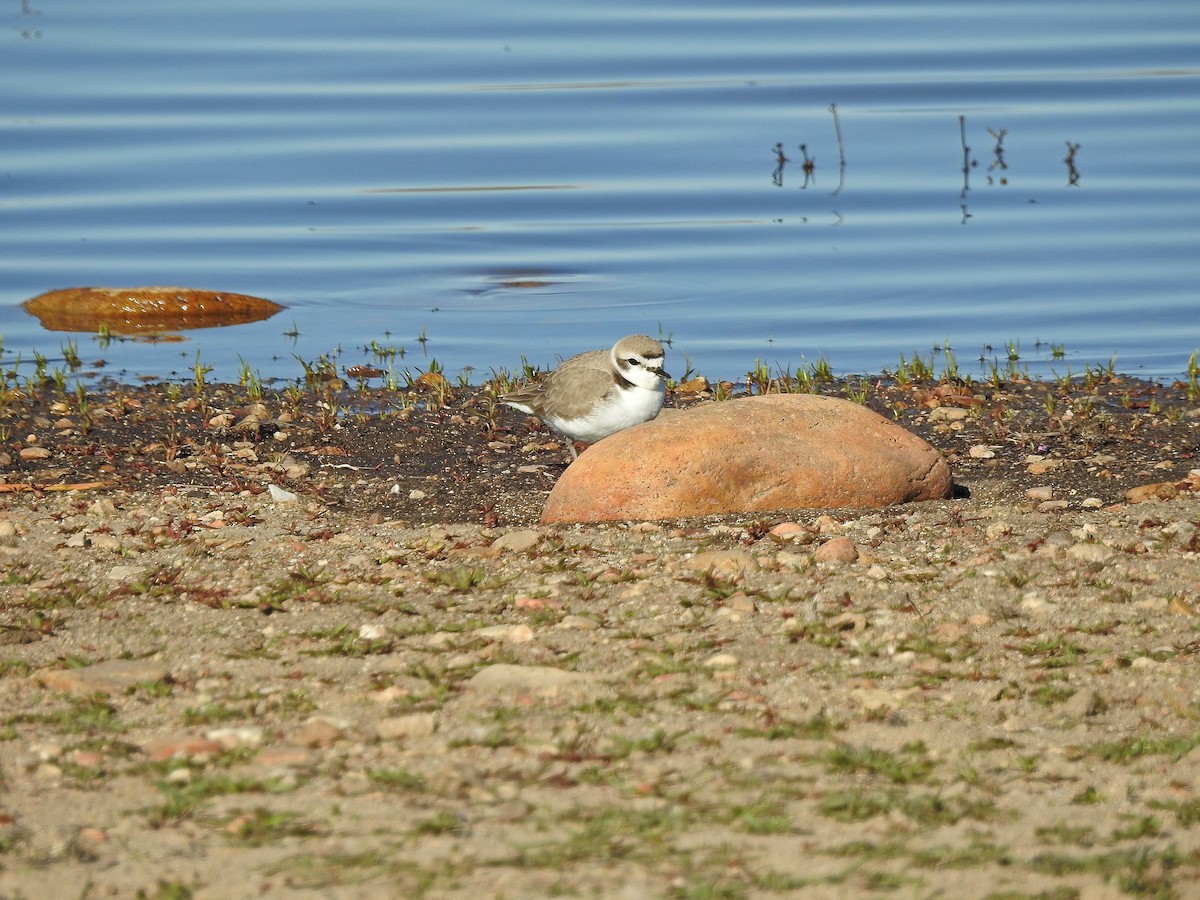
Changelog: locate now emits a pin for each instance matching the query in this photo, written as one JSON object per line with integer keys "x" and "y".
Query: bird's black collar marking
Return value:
{"x": 621, "y": 381}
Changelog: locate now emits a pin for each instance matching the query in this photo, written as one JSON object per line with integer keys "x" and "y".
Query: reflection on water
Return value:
{"x": 776, "y": 182}
{"x": 26, "y": 21}
{"x": 808, "y": 164}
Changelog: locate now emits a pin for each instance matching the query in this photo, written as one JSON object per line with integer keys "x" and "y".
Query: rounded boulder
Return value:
{"x": 757, "y": 454}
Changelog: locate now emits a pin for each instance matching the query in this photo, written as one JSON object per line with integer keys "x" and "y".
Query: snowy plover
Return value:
{"x": 600, "y": 392}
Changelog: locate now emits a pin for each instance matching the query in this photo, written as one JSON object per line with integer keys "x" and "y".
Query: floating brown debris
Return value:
{"x": 364, "y": 372}
{"x": 145, "y": 309}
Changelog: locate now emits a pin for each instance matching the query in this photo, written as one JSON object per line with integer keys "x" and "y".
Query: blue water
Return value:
{"x": 536, "y": 178}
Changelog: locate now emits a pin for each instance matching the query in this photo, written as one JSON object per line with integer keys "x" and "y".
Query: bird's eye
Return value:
{"x": 634, "y": 361}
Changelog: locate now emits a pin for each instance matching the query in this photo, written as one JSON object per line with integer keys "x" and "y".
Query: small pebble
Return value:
{"x": 279, "y": 495}
{"x": 837, "y": 549}
{"x": 722, "y": 661}
{"x": 788, "y": 531}
{"x": 517, "y": 541}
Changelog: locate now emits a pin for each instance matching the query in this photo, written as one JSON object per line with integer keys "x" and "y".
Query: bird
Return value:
{"x": 598, "y": 393}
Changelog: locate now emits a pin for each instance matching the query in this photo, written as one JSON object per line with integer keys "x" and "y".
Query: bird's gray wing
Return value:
{"x": 570, "y": 390}
{"x": 572, "y": 393}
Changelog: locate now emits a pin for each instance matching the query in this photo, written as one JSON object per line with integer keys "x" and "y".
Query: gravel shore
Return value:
{"x": 317, "y": 646}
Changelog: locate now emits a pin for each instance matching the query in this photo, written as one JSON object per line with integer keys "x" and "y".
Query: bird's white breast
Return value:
{"x": 628, "y": 407}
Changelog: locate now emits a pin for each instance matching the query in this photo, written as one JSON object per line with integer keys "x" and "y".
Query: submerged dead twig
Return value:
{"x": 966, "y": 166}
{"x": 780, "y": 162}
{"x": 1072, "y": 172}
{"x": 837, "y": 127}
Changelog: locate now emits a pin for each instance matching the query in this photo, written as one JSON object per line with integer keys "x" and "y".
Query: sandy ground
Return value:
{"x": 395, "y": 683}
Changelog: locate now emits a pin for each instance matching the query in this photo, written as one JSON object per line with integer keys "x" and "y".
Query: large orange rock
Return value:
{"x": 758, "y": 454}
{"x": 145, "y": 309}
